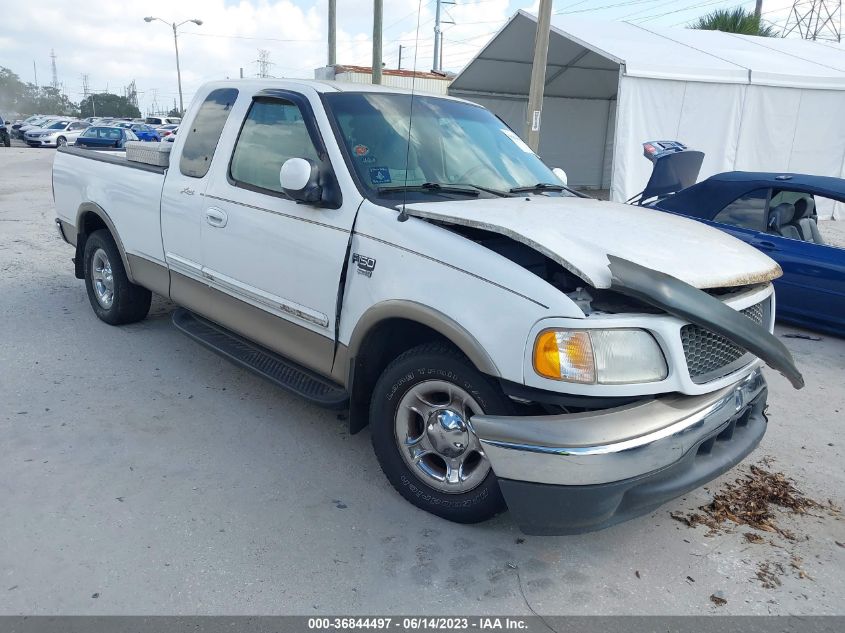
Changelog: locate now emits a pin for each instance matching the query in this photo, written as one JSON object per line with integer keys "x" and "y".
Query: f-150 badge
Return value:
{"x": 366, "y": 265}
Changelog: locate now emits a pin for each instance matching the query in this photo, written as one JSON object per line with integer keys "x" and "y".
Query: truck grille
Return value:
{"x": 710, "y": 355}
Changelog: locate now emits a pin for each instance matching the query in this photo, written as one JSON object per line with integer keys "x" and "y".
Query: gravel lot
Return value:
{"x": 143, "y": 474}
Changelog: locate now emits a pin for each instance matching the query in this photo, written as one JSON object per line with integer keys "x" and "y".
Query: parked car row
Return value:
{"x": 5, "y": 141}
{"x": 57, "y": 131}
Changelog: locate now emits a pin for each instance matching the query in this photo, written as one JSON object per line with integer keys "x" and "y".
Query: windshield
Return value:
{"x": 58, "y": 125}
{"x": 451, "y": 144}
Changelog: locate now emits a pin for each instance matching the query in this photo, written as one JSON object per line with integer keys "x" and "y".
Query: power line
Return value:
{"x": 606, "y": 6}
{"x": 648, "y": 18}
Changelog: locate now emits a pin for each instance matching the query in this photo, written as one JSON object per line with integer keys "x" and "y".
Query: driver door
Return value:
{"x": 281, "y": 261}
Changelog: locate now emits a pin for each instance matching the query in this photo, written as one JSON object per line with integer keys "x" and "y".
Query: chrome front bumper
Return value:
{"x": 579, "y": 472}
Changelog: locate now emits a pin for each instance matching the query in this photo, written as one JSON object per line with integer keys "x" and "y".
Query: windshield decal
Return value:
{"x": 361, "y": 150}
{"x": 380, "y": 175}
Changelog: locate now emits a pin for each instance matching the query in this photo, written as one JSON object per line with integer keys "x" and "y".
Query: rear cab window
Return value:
{"x": 204, "y": 134}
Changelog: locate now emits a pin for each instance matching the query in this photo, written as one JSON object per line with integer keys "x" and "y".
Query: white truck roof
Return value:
{"x": 319, "y": 85}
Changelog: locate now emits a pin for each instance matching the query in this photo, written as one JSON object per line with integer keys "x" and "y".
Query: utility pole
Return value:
{"x": 758, "y": 9}
{"x": 437, "y": 63}
{"x": 35, "y": 72}
{"x": 400, "y": 58}
{"x": 242, "y": 72}
{"x": 175, "y": 26}
{"x": 538, "y": 74}
{"x": 178, "y": 70}
{"x": 378, "y": 12}
{"x": 332, "y": 32}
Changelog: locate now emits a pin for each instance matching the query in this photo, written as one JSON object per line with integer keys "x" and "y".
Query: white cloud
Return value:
{"x": 112, "y": 44}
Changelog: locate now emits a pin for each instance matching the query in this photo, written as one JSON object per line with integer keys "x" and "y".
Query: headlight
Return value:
{"x": 608, "y": 357}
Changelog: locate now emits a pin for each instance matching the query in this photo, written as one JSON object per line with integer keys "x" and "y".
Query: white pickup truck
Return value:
{"x": 509, "y": 342}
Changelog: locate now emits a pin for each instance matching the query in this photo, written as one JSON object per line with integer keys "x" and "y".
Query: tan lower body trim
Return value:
{"x": 292, "y": 341}
{"x": 150, "y": 274}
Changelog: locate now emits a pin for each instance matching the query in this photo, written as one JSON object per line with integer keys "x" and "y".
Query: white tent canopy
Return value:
{"x": 750, "y": 103}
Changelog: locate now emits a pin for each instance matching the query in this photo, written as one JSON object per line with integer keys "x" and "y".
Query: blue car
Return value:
{"x": 777, "y": 213}
{"x": 105, "y": 137}
{"x": 145, "y": 132}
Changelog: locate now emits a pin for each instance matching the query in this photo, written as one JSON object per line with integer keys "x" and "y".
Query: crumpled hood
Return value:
{"x": 579, "y": 234}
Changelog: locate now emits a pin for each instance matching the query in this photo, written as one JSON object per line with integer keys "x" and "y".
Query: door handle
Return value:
{"x": 765, "y": 245}
{"x": 187, "y": 191}
{"x": 216, "y": 217}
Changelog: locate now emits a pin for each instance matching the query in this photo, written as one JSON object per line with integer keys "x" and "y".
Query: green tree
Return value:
{"x": 26, "y": 98}
{"x": 736, "y": 20}
{"x": 107, "y": 104}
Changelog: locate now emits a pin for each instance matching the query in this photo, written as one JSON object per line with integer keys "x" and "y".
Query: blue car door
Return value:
{"x": 812, "y": 289}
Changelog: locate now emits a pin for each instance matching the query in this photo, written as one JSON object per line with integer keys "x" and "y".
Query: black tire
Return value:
{"x": 61, "y": 141}
{"x": 130, "y": 303}
{"x": 422, "y": 363}
{"x": 7, "y": 142}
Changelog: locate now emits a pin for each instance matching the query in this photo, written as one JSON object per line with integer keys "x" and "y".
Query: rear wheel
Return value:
{"x": 114, "y": 298}
{"x": 420, "y": 420}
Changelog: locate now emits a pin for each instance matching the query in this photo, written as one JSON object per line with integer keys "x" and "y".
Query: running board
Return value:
{"x": 275, "y": 368}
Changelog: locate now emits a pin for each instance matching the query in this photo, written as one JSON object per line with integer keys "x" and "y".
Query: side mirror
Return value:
{"x": 7, "y": 123}
{"x": 300, "y": 179}
{"x": 561, "y": 175}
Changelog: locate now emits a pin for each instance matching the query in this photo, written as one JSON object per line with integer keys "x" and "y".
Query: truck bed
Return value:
{"x": 128, "y": 192}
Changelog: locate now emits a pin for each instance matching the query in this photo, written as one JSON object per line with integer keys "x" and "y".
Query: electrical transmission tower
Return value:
{"x": 86, "y": 90}
{"x": 264, "y": 63}
{"x": 815, "y": 20}
{"x": 131, "y": 93}
{"x": 55, "y": 82}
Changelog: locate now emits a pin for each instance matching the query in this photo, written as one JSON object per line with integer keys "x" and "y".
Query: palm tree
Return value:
{"x": 736, "y": 20}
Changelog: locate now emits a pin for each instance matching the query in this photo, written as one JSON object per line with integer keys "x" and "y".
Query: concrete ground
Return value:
{"x": 142, "y": 474}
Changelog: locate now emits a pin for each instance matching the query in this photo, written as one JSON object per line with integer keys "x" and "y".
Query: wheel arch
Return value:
{"x": 386, "y": 330}
{"x": 92, "y": 217}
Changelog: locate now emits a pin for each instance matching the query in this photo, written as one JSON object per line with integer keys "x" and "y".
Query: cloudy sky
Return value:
{"x": 110, "y": 42}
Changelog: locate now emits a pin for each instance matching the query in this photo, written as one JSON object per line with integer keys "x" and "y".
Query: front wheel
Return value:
{"x": 114, "y": 298}
{"x": 422, "y": 435}
{"x": 61, "y": 141}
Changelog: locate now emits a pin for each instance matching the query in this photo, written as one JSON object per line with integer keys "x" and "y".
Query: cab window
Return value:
{"x": 747, "y": 211}
{"x": 274, "y": 131}
{"x": 205, "y": 130}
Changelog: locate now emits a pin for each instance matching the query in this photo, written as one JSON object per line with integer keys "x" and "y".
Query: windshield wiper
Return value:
{"x": 495, "y": 192}
{"x": 431, "y": 187}
{"x": 541, "y": 187}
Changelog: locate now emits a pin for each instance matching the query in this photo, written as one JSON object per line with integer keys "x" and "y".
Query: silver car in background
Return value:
{"x": 56, "y": 134}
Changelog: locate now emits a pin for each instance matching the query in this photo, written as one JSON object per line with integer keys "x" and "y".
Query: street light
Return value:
{"x": 175, "y": 26}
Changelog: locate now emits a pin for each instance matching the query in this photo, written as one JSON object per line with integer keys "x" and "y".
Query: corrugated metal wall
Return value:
{"x": 422, "y": 84}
